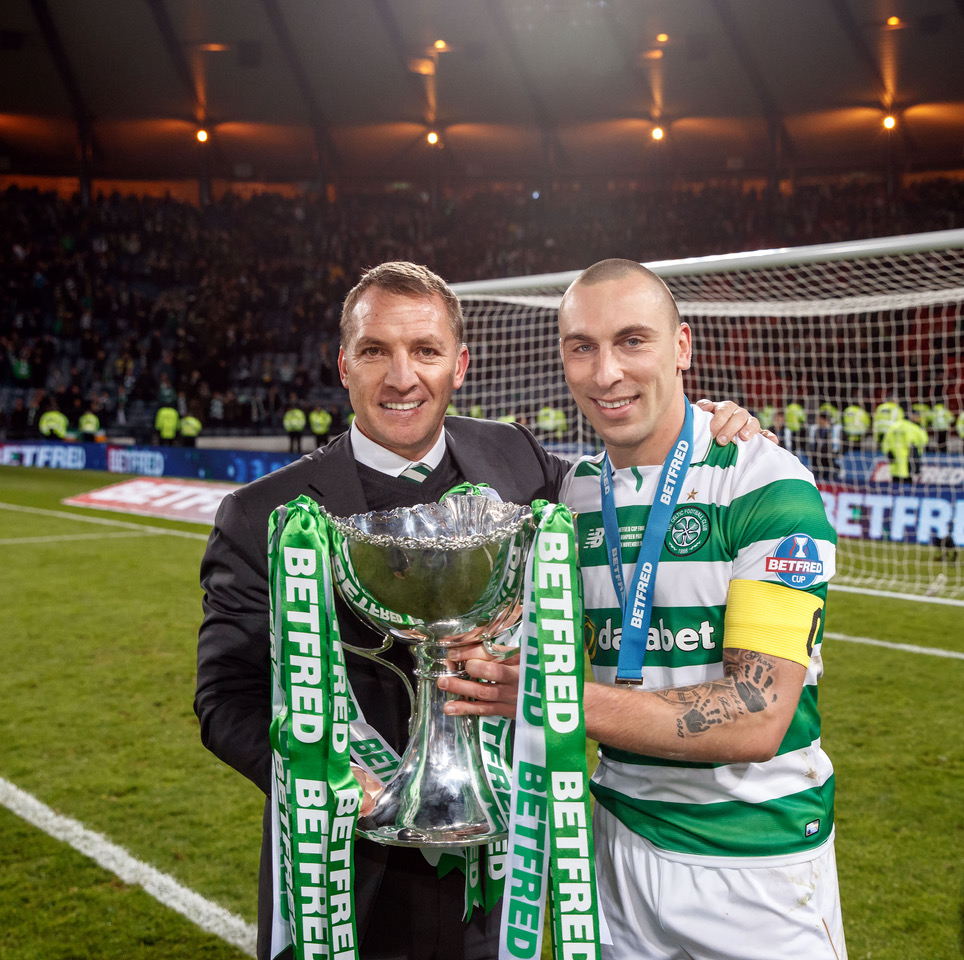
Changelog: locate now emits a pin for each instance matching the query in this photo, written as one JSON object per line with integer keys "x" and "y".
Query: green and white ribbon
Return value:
{"x": 495, "y": 736}
{"x": 315, "y": 796}
{"x": 317, "y": 729}
{"x": 550, "y": 832}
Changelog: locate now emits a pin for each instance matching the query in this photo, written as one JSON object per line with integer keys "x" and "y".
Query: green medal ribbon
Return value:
{"x": 550, "y": 831}
{"x": 316, "y": 797}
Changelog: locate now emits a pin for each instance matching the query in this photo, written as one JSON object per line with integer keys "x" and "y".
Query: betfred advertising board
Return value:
{"x": 190, "y": 500}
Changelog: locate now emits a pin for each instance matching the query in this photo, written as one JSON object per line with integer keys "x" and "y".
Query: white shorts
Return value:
{"x": 661, "y": 908}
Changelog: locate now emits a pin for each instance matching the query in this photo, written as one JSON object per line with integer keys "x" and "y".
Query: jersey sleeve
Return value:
{"x": 777, "y": 525}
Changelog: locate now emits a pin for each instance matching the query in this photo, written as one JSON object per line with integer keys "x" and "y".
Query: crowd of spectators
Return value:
{"x": 230, "y": 312}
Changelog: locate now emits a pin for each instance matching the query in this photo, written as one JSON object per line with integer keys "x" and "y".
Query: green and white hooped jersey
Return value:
{"x": 746, "y": 511}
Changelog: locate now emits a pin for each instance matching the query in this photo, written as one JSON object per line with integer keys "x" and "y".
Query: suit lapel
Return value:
{"x": 335, "y": 484}
{"x": 475, "y": 461}
{"x": 467, "y": 460}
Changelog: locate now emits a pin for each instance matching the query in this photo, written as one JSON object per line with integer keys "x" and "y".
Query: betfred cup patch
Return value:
{"x": 796, "y": 561}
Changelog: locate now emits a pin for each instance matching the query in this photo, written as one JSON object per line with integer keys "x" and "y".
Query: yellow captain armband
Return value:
{"x": 770, "y": 618}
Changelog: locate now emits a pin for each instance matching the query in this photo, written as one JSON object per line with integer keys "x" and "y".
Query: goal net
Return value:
{"x": 797, "y": 333}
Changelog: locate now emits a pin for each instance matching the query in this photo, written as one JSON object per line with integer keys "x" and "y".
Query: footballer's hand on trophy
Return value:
{"x": 491, "y": 687}
{"x": 371, "y": 788}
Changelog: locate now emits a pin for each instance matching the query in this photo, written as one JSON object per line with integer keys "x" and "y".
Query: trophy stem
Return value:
{"x": 439, "y": 796}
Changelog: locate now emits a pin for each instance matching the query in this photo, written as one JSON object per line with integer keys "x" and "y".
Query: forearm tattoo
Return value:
{"x": 748, "y": 687}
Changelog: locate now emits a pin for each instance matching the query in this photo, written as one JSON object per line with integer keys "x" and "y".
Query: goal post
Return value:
{"x": 817, "y": 329}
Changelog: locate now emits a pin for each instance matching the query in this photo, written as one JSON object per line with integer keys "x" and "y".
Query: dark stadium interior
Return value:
{"x": 140, "y": 263}
{"x": 532, "y": 91}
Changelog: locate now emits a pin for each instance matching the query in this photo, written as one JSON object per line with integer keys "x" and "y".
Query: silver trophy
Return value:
{"x": 439, "y": 577}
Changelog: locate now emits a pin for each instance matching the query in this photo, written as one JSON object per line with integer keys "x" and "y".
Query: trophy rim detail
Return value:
{"x": 516, "y": 516}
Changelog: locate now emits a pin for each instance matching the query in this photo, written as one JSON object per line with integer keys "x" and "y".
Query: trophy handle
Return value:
{"x": 492, "y": 650}
{"x": 508, "y": 625}
{"x": 373, "y": 655}
{"x": 498, "y": 651}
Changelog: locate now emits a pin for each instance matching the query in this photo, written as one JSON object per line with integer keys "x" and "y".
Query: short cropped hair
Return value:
{"x": 407, "y": 280}
{"x": 616, "y": 269}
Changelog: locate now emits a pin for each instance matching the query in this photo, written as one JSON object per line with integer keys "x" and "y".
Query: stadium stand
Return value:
{"x": 229, "y": 309}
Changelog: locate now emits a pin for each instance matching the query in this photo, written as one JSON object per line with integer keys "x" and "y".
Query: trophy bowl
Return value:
{"x": 439, "y": 577}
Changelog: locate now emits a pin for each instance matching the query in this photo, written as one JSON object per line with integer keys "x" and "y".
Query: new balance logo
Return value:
{"x": 595, "y": 538}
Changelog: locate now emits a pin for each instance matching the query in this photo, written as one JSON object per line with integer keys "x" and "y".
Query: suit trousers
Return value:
{"x": 417, "y": 916}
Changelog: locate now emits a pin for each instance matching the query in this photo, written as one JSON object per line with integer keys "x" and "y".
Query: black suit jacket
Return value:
{"x": 233, "y": 698}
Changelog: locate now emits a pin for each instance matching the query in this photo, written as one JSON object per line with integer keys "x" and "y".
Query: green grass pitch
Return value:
{"x": 97, "y": 652}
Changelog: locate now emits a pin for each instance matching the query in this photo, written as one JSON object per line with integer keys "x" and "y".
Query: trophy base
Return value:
{"x": 440, "y": 795}
{"x": 431, "y": 805}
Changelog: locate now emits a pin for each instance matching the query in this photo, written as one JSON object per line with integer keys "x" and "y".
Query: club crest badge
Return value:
{"x": 688, "y": 531}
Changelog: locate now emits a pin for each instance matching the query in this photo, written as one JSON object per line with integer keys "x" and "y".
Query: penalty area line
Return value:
{"x": 165, "y": 889}
{"x": 890, "y": 645}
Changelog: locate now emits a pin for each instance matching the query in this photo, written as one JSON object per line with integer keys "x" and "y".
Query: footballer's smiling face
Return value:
{"x": 623, "y": 351}
{"x": 400, "y": 368}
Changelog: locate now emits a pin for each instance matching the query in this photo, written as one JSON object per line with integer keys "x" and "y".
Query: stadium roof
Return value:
{"x": 517, "y": 90}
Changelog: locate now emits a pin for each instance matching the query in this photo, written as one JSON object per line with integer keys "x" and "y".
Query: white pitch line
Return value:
{"x": 205, "y": 914}
{"x": 103, "y": 521}
{"x": 17, "y": 541}
{"x": 888, "y": 595}
{"x": 908, "y": 647}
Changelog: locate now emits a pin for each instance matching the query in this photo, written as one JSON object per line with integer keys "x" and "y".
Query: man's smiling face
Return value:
{"x": 623, "y": 351}
{"x": 401, "y": 367}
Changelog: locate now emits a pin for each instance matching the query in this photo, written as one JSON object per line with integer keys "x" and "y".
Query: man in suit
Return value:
{"x": 402, "y": 355}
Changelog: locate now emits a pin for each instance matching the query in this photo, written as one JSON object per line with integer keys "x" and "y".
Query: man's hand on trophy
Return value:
{"x": 371, "y": 786}
{"x": 498, "y": 690}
